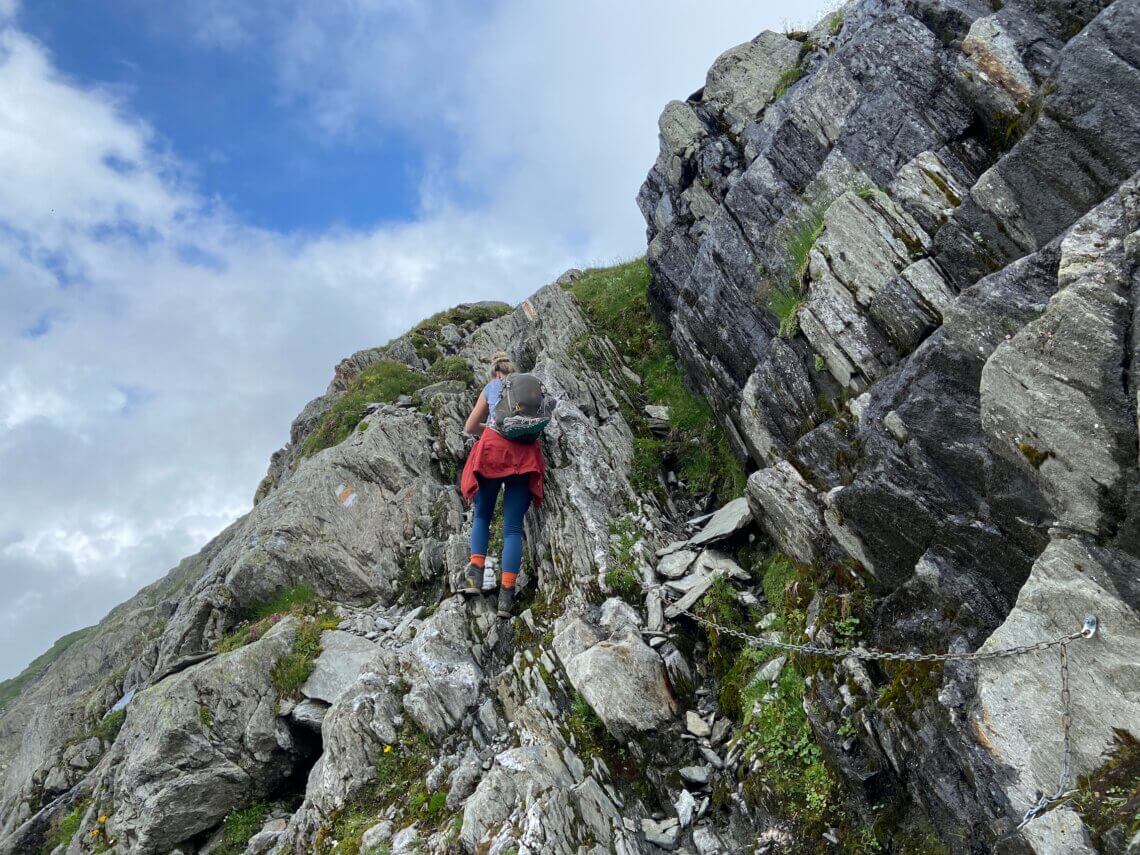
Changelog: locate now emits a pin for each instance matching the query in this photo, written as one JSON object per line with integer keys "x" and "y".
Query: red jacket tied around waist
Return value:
{"x": 495, "y": 456}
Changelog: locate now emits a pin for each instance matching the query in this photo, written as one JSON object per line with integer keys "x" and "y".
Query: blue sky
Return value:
{"x": 207, "y": 203}
{"x": 220, "y": 113}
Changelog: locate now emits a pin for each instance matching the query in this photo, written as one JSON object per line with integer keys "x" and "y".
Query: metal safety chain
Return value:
{"x": 1063, "y": 793}
{"x": 1087, "y": 630}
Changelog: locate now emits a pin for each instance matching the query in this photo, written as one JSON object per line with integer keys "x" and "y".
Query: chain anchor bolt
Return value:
{"x": 1092, "y": 624}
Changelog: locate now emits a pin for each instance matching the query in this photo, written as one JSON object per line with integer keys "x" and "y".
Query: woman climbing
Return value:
{"x": 498, "y": 462}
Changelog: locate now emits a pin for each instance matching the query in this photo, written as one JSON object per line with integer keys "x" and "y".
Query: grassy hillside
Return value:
{"x": 616, "y": 303}
{"x": 11, "y": 689}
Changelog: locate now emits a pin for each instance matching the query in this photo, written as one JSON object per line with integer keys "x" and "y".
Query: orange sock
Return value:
{"x": 479, "y": 560}
{"x": 509, "y": 579}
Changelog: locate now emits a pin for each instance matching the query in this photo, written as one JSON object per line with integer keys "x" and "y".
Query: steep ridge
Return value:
{"x": 898, "y": 256}
{"x": 398, "y": 676}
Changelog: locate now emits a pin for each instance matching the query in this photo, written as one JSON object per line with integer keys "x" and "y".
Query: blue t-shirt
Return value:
{"x": 492, "y": 392}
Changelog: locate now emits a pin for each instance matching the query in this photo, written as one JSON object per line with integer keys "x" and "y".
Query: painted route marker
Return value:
{"x": 345, "y": 495}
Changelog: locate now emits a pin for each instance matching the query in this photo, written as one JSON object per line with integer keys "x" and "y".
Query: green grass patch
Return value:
{"x": 614, "y": 299}
{"x": 622, "y": 577}
{"x": 62, "y": 829}
{"x": 736, "y": 682}
{"x": 240, "y": 825}
{"x": 720, "y": 605}
{"x": 460, "y": 315}
{"x": 293, "y": 669}
{"x": 1108, "y": 799}
{"x": 778, "y": 572}
{"x": 792, "y": 781}
{"x": 786, "y": 585}
{"x": 293, "y": 599}
{"x": 787, "y": 77}
{"x": 589, "y": 730}
{"x": 384, "y": 381}
{"x": 427, "y": 339}
{"x": 11, "y": 689}
{"x": 300, "y": 601}
{"x": 399, "y": 780}
{"x": 800, "y": 242}
{"x": 451, "y": 368}
{"x": 785, "y": 305}
{"x": 784, "y": 296}
{"x": 109, "y": 726}
{"x": 624, "y": 584}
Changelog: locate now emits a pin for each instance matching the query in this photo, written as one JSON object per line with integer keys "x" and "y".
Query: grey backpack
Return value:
{"x": 524, "y": 408}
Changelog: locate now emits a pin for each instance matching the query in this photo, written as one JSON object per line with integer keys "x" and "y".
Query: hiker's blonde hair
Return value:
{"x": 502, "y": 363}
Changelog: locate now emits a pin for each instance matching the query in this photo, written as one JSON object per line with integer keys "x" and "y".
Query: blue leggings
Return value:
{"x": 516, "y": 500}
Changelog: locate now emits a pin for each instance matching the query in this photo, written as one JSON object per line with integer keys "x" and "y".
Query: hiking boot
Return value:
{"x": 506, "y": 600}
{"x": 473, "y": 580}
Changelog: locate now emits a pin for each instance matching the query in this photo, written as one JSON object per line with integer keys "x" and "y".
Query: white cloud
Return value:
{"x": 153, "y": 348}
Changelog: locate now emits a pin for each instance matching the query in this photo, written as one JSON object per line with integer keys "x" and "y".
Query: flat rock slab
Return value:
{"x": 685, "y": 806}
{"x": 743, "y": 79}
{"x": 713, "y": 560}
{"x": 697, "y": 775}
{"x": 624, "y": 682}
{"x": 617, "y": 615}
{"x": 673, "y": 546}
{"x": 727, "y": 521}
{"x": 343, "y": 657}
{"x": 696, "y": 725}
{"x": 788, "y": 508}
{"x": 573, "y": 638}
{"x": 702, "y": 584}
{"x": 676, "y": 564}
{"x": 310, "y": 713}
{"x": 663, "y": 833}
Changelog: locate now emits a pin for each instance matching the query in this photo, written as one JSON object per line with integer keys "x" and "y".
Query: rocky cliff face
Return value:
{"x": 908, "y": 285}
{"x": 898, "y": 256}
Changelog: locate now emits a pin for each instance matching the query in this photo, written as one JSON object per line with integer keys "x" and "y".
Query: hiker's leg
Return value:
{"x": 516, "y": 500}
{"x": 484, "y": 503}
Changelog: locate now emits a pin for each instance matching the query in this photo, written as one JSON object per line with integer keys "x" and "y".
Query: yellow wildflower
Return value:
{"x": 387, "y": 749}
{"x": 103, "y": 818}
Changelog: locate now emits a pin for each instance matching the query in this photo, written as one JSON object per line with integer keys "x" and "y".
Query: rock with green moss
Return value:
{"x": 343, "y": 656}
{"x": 859, "y": 218}
{"x": 743, "y": 79}
{"x": 790, "y": 510}
{"x": 169, "y": 777}
{"x": 624, "y": 681}
{"x": 532, "y": 795}
{"x": 445, "y": 679}
{"x": 1073, "y": 577}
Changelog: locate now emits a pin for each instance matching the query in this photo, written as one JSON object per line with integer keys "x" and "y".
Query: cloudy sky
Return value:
{"x": 205, "y": 204}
